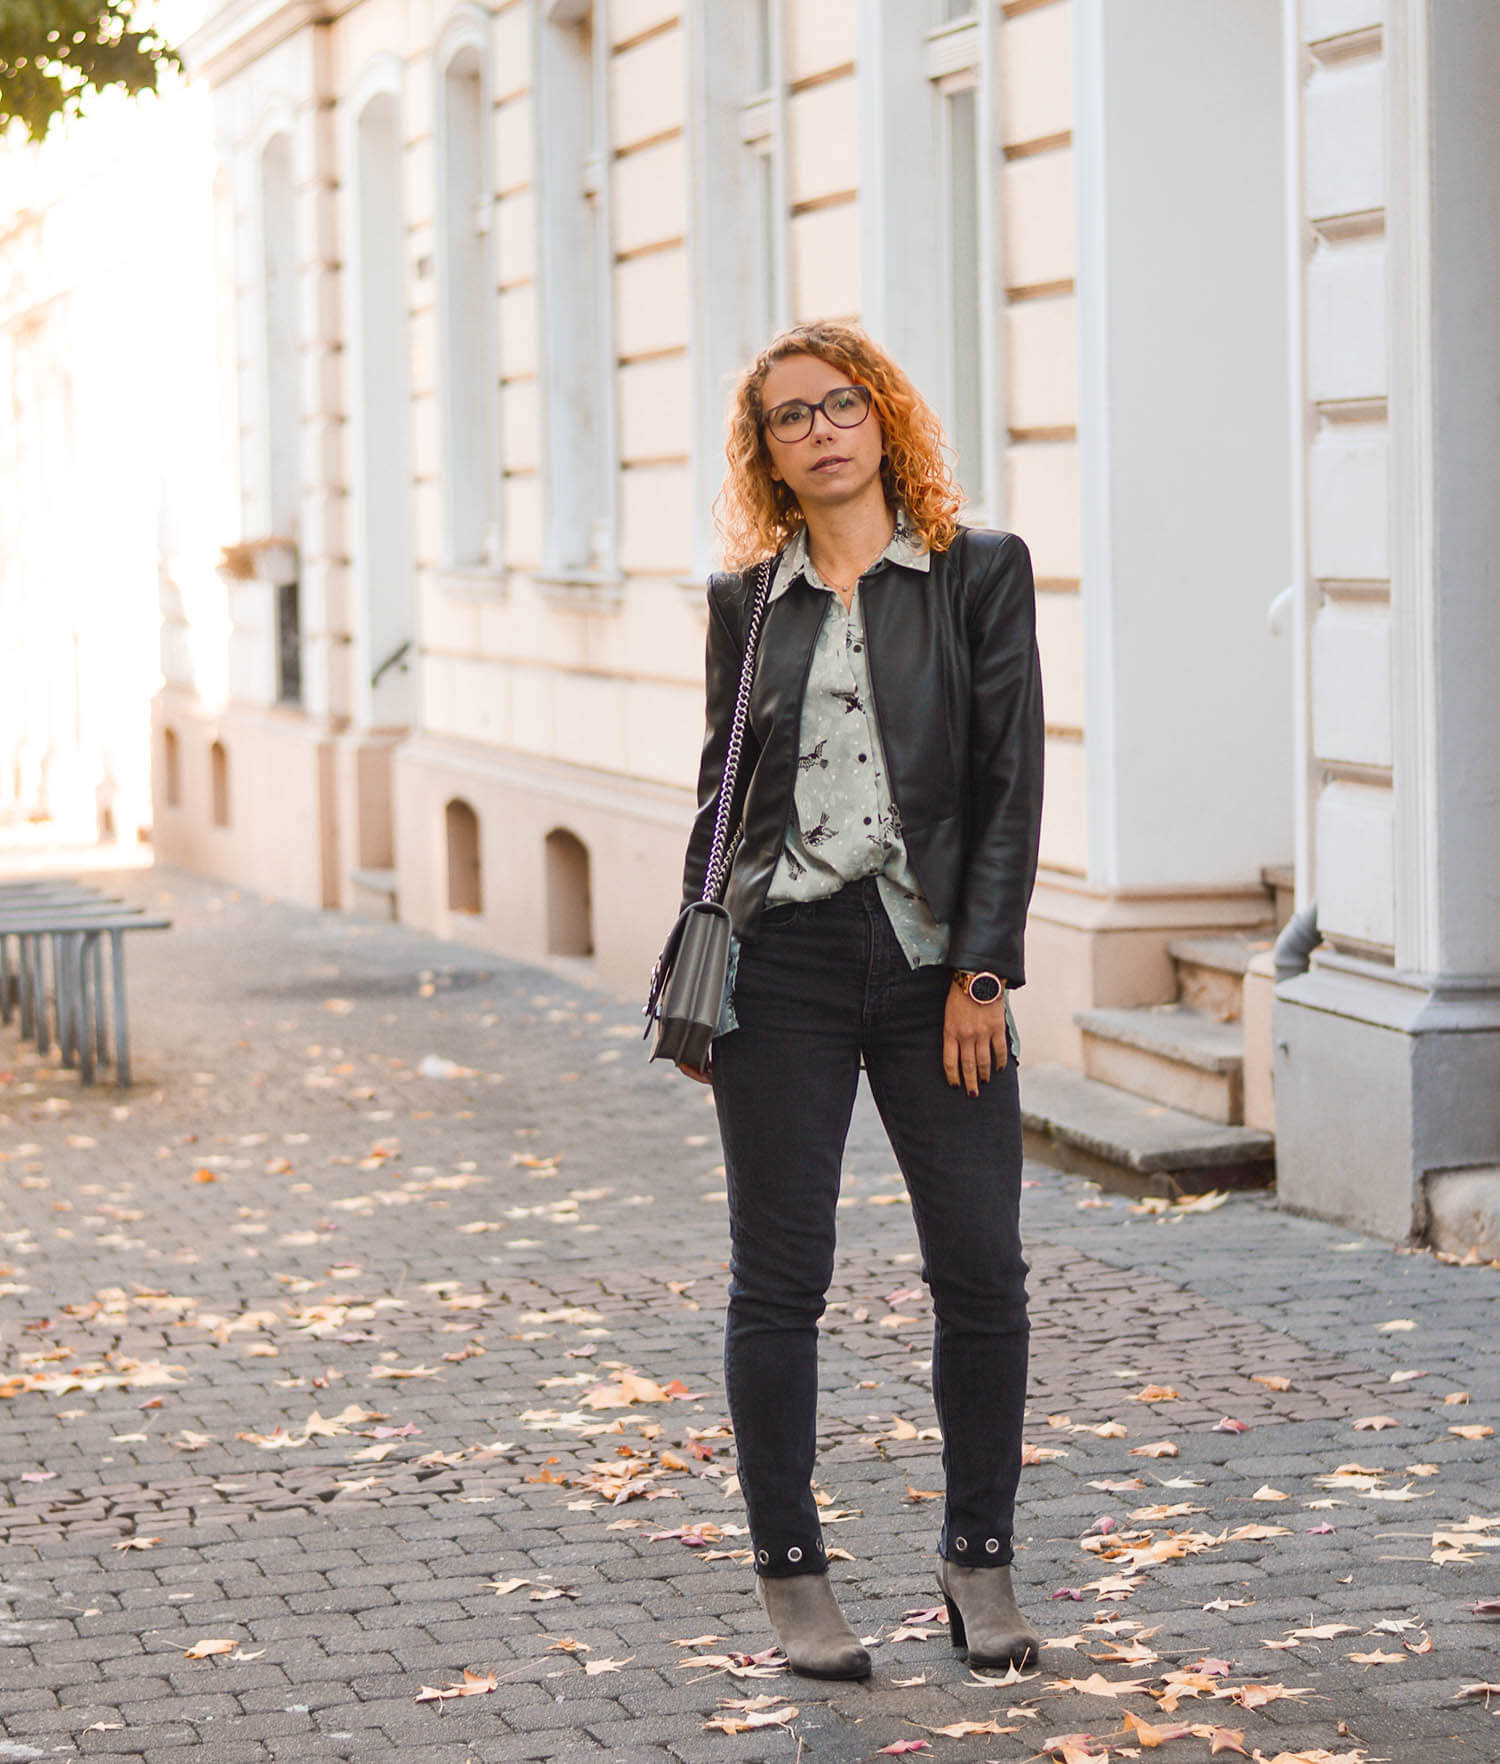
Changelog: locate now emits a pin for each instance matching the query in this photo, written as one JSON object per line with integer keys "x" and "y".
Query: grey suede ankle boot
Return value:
{"x": 811, "y": 1628}
{"x": 983, "y": 1616}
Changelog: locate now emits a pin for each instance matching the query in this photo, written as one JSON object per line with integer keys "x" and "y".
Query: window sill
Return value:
{"x": 581, "y": 590}
{"x": 478, "y": 583}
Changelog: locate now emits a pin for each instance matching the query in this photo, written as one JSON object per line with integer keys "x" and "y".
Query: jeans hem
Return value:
{"x": 995, "y": 1561}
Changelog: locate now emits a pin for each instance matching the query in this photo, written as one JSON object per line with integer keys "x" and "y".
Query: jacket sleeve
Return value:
{"x": 722, "y": 669}
{"x": 1006, "y": 737}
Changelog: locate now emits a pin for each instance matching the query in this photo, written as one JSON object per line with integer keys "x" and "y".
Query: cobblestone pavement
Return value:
{"x": 373, "y": 1340}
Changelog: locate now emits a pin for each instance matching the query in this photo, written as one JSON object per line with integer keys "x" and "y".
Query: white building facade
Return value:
{"x": 494, "y": 271}
{"x": 1199, "y": 293}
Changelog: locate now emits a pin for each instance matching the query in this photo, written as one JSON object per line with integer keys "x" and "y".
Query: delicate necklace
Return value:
{"x": 846, "y": 589}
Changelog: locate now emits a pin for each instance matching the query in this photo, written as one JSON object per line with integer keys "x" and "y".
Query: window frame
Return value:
{"x": 909, "y": 58}
{"x": 959, "y": 57}
{"x": 277, "y": 132}
{"x": 467, "y": 34}
{"x": 763, "y": 134}
{"x": 735, "y": 138}
{"x": 579, "y": 367}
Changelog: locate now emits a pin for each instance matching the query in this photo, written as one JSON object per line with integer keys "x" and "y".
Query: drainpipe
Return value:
{"x": 1299, "y": 938}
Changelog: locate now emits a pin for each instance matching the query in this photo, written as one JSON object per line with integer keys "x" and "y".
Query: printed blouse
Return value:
{"x": 845, "y": 824}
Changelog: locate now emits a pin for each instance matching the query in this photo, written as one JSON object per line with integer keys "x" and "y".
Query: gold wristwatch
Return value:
{"x": 984, "y": 988}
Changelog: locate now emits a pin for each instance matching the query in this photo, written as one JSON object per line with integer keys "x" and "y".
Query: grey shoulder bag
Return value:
{"x": 686, "y": 995}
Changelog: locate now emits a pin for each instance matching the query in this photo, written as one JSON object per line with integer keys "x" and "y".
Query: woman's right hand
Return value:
{"x": 703, "y": 1077}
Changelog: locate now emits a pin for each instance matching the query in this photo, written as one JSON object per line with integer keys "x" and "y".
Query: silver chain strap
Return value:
{"x": 721, "y": 850}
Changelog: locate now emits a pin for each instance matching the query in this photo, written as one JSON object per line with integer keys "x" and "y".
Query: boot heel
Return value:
{"x": 955, "y": 1623}
{"x": 1001, "y": 1635}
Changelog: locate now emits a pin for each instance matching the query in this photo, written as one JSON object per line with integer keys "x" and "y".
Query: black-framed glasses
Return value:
{"x": 846, "y": 407}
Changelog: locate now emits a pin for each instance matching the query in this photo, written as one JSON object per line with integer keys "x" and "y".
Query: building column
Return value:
{"x": 1388, "y": 1066}
{"x": 1184, "y": 475}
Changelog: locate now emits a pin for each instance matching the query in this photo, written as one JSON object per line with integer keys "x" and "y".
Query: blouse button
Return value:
{"x": 863, "y": 757}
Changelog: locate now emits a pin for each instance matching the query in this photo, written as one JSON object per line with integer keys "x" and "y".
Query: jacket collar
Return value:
{"x": 907, "y": 548}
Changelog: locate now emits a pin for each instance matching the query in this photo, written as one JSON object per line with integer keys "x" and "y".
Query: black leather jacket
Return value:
{"x": 954, "y": 665}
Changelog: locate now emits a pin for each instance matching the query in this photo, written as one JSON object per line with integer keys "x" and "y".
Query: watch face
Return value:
{"x": 984, "y": 988}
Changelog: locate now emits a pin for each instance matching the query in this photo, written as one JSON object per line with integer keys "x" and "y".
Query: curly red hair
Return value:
{"x": 757, "y": 514}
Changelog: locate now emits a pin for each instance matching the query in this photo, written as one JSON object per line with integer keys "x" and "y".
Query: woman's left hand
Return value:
{"x": 974, "y": 1043}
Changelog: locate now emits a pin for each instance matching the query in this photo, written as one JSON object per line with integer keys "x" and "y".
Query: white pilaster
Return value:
{"x": 1388, "y": 1076}
{"x": 1414, "y": 595}
{"x": 1447, "y": 652}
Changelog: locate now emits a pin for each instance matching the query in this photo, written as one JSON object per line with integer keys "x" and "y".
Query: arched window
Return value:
{"x": 763, "y": 134}
{"x": 381, "y": 439}
{"x": 278, "y": 217}
{"x": 465, "y": 866}
{"x": 577, "y": 264}
{"x": 570, "y": 908}
{"x": 171, "y": 768}
{"x": 218, "y": 767}
{"x": 934, "y": 291}
{"x": 471, "y": 482}
{"x": 739, "y": 223}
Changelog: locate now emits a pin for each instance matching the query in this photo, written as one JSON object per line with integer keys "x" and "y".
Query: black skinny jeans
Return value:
{"x": 819, "y": 986}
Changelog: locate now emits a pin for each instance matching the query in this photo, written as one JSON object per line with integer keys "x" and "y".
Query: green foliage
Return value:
{"x": 55, "y": 54}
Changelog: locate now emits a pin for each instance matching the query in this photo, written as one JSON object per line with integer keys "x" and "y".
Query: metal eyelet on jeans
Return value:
{"x": 993, "y": 1546}
{"x": 794, "y": 1554}
{"x": 763, "y": 1555}
{"x": 961, "y": 1543}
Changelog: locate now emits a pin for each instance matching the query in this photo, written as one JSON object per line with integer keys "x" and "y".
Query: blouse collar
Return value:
{"x": 907, "y": 548}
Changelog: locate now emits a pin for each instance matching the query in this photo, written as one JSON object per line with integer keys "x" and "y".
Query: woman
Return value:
{"x": 889, "y": 796}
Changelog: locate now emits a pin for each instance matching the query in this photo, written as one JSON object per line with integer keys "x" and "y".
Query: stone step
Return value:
{"x": 1281, "y": 880}
{"x": 372, "y": 894}
{"x": 1173, "y": 1054}
{"x": 1211, "y": 970}
{"x": 1130, "y": 1144}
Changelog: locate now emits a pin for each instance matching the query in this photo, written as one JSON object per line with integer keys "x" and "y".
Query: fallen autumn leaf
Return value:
{"x": 1097, "y": 1685}
{"x": 473, "y": 1684}
{"x": 1152, "y": 1736}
